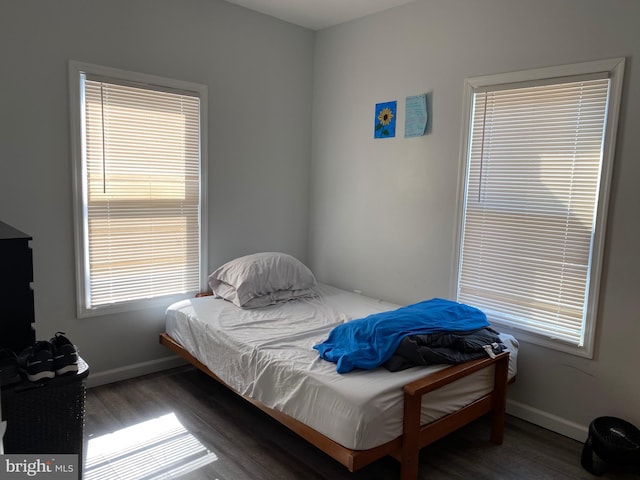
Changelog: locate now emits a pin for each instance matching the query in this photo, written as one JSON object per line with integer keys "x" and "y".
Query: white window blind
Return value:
{"x": 535, "y": 159}
{"x": 141, "y": 182}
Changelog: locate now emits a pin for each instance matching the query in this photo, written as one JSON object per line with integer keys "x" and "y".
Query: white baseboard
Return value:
{"x": 547, "y": 420}
{"x": 131, "y": 371}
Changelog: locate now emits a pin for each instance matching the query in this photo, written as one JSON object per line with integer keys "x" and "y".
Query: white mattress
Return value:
{"x": 267, "y": 354}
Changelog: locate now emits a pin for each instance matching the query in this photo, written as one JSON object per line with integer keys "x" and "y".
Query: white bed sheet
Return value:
{"x": 267, "y": 354}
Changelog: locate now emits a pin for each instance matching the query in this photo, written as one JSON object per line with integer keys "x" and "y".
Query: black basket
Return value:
{"x": 46, "y": 417}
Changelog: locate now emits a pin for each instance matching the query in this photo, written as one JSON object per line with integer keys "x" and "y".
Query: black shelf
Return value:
{"x": 17, "y": 313}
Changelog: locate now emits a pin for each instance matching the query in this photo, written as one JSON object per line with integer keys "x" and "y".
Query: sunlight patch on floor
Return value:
{"x": 160, "y": 448}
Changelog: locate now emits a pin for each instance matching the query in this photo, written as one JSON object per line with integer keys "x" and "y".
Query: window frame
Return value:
{"x": 614, "y": 67}
{"x": 76, "y": 69}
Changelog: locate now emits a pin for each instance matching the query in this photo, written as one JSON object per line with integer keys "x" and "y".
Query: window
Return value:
{"x": 138, "y": 171}
{"x": 538, "y": 152}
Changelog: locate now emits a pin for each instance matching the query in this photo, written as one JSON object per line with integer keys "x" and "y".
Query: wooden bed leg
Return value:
{"x": 410, "y": 437}
{"x": 499, "y": 400}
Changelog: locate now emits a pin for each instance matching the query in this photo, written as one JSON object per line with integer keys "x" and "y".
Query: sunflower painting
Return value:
{"x": 385, "y": 120}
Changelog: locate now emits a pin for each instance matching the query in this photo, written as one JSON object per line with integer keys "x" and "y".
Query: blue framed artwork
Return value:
{"x": 385, "y": 120}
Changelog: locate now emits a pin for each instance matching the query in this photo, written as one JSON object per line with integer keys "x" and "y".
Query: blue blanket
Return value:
{"x": 369, "y": 342}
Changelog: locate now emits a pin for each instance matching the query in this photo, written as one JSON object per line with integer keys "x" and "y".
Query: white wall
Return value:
{"x": 383, "y": 211}
{"x": 259, "y": 74}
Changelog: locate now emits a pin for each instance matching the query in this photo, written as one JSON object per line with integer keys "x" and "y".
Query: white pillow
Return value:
{"x": 262, "y": 279}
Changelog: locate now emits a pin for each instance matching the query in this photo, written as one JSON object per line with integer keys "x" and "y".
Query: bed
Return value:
{"x": 259, "y": 341}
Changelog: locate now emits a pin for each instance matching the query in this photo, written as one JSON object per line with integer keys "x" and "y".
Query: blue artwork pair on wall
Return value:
{"x": 415, "y": 124}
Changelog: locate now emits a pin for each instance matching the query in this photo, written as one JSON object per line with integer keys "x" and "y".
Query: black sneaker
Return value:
{"x": 9, "y": 371}
{"x": 36, "y": 361}
{"x": 65, "y": 355}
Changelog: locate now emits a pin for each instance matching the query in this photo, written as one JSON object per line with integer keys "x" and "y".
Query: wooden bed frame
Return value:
{"x": 405, "y": 448}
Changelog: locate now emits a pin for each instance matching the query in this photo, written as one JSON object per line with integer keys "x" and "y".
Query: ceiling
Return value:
{"x": 318, "y": 14}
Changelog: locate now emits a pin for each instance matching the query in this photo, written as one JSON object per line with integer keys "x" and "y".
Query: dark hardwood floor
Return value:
{"x": 182, "y": 424}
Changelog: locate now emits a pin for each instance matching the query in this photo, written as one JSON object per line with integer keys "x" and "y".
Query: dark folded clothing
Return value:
{"x": 444, "y": 347}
